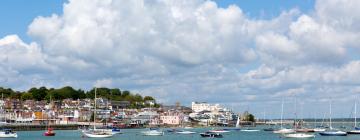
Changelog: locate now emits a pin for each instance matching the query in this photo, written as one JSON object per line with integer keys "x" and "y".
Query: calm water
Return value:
{"x": 134, "y": 134}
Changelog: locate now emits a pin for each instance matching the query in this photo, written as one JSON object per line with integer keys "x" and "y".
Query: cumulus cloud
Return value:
{"x": 193, "y": 48}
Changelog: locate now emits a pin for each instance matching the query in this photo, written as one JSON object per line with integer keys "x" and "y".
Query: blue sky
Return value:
{"x": 18, "y": 14}
{"x": 246, "y": 56}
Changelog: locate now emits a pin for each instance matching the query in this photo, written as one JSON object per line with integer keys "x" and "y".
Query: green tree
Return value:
{"x": 125, "y": 93}
{"x": 251, "y": 118}
{"x": 6, "y": 92}
{"x": 148, "y": 98}
{"x": 38, "y": 94}
{"x": 26, "y": 96}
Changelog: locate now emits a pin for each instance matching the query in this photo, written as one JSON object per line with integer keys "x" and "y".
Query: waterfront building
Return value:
{"x": 202, "y": 106}
{"x": 171, "y": 118}
{"x": 146, "y": 117}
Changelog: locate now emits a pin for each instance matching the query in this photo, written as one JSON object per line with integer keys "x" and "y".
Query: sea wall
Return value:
{"x": 28, "y": 127}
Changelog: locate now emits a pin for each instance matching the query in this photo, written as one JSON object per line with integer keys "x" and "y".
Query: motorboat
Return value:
{"x": 8, "y": 133}
{"x": 284, "y": 131}
{"x": 219, "y": 131}
{"x": 333, "y": 133}
{"x": 185, "y": 132}
{"x": 299, "y": 135}
{"x": 152, "y": 133}
{"x": 49, "y": 132}
{"x": 115, "y": 130}
{"x": 211, "y": 135}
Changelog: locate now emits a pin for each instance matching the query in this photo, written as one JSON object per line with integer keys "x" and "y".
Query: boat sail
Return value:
{"x": 97, "y": 133}
{"x": 332, "y": 132}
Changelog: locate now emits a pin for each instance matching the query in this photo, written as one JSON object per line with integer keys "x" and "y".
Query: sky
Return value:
{"x": 243, "y": 54}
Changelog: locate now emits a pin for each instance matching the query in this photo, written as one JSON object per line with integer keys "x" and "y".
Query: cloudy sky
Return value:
{"x": 246, "y": 55}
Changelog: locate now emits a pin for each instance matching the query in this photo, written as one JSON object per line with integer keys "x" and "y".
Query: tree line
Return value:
{"x": 69, "y": 92}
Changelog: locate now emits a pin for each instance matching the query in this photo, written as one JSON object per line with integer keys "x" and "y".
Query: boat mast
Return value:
{"x": 95, "y": 110}
{"x": 330, "y": 115}
{"x": 355, "y": 114}
{"x": 282, "y": 112}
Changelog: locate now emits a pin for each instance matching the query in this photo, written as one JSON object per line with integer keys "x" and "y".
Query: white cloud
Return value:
{"x": 190, "y": 48}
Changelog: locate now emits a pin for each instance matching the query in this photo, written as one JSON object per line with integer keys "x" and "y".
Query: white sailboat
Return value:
{"x": 356, "y": 129}
{"x": 332, "y": 132}
{"x": 97, "y": 133}
{"x": 320, "y": 128}
{"x": 283, "y": 130}
{"x": 6, "y": 133}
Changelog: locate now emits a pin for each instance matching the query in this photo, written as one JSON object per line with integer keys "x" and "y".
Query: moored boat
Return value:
{"x": 219, "y": 131}
{"x": 185, "y": 132}
{"x": 268, "y": 129}
{"x": 232, "y": 129}
{"x": 211, "y": 135}
{"x": 353, "y": 132}
{"x": 97, "y": 133}
{"x": 299, "y": 135}
{"x": 250, "y": 130}
{"x": 356, "y": 130}
{"x": 49, "y": 132}
{"x": 333, "y": 133}
{"x": 319, "y": 129}
{"x": 305, "y": 130}
{"x": 284, "y": 131}
{"x": 8, "y": 133}
{"x": 152, "y": 133}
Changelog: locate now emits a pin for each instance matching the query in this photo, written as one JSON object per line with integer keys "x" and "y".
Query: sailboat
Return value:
{"x": 300, "y": 131}
{"x": 269, "y": 128}
{"x": 6, "y": 133}
{"x": 356, "y": 129}
{"x": 332, "y": 132}
{"x": 95, "y": 133}
{"x": 283, "y": 130}
{"x": 321, "y": 127}
{"x": 237, "y": 125}
{"x": 49, "y": 131}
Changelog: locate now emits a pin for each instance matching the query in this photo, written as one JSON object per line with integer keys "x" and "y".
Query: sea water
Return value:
{"x": 135, "y": 134}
